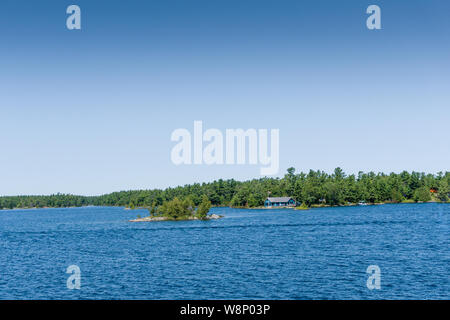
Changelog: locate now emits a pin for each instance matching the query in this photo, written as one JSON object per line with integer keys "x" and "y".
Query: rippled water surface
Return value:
{"x": 253, "y": 254}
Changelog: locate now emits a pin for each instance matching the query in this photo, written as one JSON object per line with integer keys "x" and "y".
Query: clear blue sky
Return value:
{"x": 92, "y": 111}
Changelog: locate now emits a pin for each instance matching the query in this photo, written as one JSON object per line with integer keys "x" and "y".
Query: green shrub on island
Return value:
{"x": 152, "y": 209}
{"x": 177, "y": 209}
{"x": 203, "y": 208}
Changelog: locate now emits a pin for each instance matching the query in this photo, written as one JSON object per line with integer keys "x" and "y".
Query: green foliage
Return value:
{"x": 422, "y": 194}
{"x": 443, "y": 189}
{"x": 303, "y": 206}
{"x": 203, "y": 208}
{"x": 312, "y": 188}
{"x": 152, "y": 209}
{"x": 333, "y": 193}
{"x": 396, "y": 196}
{"x": 176, "y": 209}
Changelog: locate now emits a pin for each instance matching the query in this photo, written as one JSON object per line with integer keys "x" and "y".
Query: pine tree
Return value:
{"x": 203, "y": 208}
{"x": 443, "y": 190}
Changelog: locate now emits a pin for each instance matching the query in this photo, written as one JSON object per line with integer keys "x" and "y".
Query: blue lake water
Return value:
{"x": 249, "y": 254}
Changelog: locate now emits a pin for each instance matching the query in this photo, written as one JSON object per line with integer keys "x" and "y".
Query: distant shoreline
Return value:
{"x": 314, "y": 206}
{"x": 317, "y": 206}
{"x": 311, "y": 189}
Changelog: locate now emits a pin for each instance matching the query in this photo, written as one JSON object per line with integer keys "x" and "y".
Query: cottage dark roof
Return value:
{"x": 279, "y": 199}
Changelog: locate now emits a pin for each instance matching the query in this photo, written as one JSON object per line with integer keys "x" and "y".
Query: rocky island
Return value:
{"x": 176, "y": 210}
{"x": 160, "y": 218}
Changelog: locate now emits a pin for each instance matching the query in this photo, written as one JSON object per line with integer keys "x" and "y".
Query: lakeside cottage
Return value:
{"x": 279, "y": 202}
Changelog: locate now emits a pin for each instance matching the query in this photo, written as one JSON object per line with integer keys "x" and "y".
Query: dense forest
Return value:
{"x": 313, "y": 188}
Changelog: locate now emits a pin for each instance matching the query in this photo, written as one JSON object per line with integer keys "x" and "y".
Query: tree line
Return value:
{"x": 312, "y": 188}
